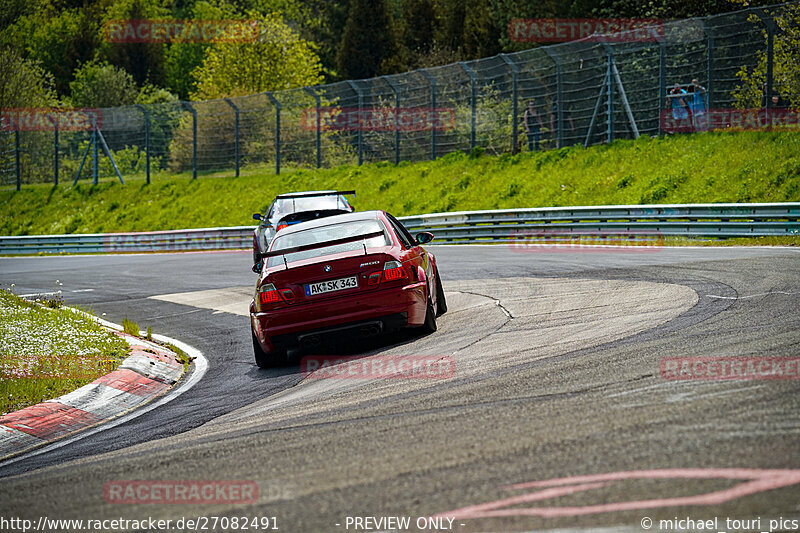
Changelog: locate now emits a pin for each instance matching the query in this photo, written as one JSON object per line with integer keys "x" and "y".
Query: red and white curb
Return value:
{"x": 149, "y": 372}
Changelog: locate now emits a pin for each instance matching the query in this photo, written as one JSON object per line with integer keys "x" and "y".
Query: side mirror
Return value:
{"x": 256, "y": 216}
{"x": 258, "y": 267}
{"x": 424, "y": 237}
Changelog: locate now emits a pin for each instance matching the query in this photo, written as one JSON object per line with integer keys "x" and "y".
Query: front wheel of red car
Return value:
{"x": 265, "y": 359}
{"x": 441, "y": 303}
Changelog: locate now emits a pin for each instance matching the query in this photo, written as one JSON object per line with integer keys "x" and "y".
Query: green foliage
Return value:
{"x": 130, "y": 327}
{"x": 102, "y": 85}
{"x": 278, "y": 59}
{"x": 786, "y": 69}
{"x": 369, "y": 46}
{"x": 23, "y": 83}
{"x": 59, "y": 40}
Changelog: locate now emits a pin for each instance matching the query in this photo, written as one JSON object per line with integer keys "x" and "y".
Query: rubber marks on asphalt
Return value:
{"x": 753, "y": 481}
{"x": 146, "y": 373}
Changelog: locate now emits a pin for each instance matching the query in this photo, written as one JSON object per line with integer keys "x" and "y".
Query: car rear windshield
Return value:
{"x": 328, "y": 233}
{"x": 285, "y": 206}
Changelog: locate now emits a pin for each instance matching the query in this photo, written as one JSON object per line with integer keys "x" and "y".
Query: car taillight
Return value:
{"x": 268, "y": 294}
{"x": 392, "y": 271}
{"x": 287, "y": 294}
{"x": 281, "y": 226}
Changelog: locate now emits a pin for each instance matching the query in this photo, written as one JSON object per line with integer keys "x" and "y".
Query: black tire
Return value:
{"x": 429, "y": 326}
{"x": 441, "y": 302}
{"x": 265, "y": 359}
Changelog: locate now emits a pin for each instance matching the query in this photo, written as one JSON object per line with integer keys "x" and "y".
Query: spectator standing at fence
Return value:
{"x": 567, "y": 117}
{"x": 532, "y": 121}
{"x": 697, "y": 105}
{"x": 676, "y": 100}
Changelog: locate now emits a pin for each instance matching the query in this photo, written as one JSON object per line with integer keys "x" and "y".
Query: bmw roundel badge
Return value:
{"x": 326, "y": 268}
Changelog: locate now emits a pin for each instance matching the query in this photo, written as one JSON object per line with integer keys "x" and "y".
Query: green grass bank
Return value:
{"x": 708, "y": 167}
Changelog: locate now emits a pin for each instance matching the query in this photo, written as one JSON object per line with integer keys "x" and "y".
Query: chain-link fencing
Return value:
{"x": 590, "y": 91}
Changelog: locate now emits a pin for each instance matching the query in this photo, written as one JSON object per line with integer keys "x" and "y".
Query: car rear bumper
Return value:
{"x": 392, "y": 308}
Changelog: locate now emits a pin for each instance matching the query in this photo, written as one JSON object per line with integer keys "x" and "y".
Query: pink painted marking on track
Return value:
{"x": 757, "y": 481}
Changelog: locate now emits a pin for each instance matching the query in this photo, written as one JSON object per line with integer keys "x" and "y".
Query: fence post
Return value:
{"x": 17, "y": 158}
{"x": 709, "y": 67}
{"x": 55, "y": 150}
{"x": 313, "y": 93}
{"x": 514, "y": 101}
{"x": 396, "y": 92}
{"x": 771, "y": 26}
{"x": 360, "y": 96}
{"x": 473, "y": 103}
{"x": 146, "y": 113}
{"x": 559, "y": 95}
{"x": 610, "y": 101}
{"x": 277, "y": 105}
{"x": 662, "y": 82}
{"x": 235, "y": 134}
{"x": 193, "y": 111}
{"x": 95, "y": 154}
{"x": 432, "y": 82}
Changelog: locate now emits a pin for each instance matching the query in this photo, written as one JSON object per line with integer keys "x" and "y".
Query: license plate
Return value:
{"x": 332, "y": 285}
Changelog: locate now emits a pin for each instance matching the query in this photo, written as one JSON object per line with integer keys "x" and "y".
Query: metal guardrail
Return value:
{"x": 614, "y": 223}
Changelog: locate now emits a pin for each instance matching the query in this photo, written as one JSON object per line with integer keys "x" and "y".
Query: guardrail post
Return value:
{"x": 514, "y": 101}
{"x": 55, "y": 150}
{"x": 559, "y": 95}
{"x": 146, "y": 113}
{"x": 193, "y": 111}
{"x": 432, "y": 82}
{"x": 235, "y": 134}
{"x": 313, "y": 93}
{"x": 17, "y": 159}
{"x": 360, "y": 96}
{"x": 473, "y": 102}
{"x": 396, "y": 92}
{"x": 277, "y": 105}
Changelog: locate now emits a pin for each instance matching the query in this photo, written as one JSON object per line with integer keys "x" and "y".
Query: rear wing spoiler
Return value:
{"x": 311, "y": 194}
{"x": 303, "y": 248}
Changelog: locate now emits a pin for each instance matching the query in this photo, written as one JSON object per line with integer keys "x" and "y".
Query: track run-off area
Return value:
{"x": 558, "y": 414}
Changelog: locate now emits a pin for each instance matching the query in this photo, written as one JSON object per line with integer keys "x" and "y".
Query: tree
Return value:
{"x": 278, "y": 59}
{"x": 23, "y": 83}
{"x": 786, "y": 65}
{"x": 102, "y": 85}
{"x": 368, "y": 45}
{"x": 59, "y": 41}
{"x": 144, "y": 61}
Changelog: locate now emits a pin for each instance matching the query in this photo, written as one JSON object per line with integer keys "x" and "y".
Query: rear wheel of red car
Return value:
{"x": 265, "y": 359}
{"x": 430, "y": 318}
{"x": 441, "y": 303}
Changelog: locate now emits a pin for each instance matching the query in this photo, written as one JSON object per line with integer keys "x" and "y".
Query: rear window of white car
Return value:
{"x": 328, "y": 233}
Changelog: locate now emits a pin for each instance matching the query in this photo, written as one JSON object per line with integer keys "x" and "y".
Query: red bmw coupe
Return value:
{"x": 357, "y": 274}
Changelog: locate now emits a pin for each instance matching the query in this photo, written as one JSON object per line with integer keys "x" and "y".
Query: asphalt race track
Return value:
{"x": 557, "y": 375}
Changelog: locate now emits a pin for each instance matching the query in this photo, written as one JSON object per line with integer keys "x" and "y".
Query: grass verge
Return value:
{"x": 45, "y": 353}
{"x": 759, "y": 166}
